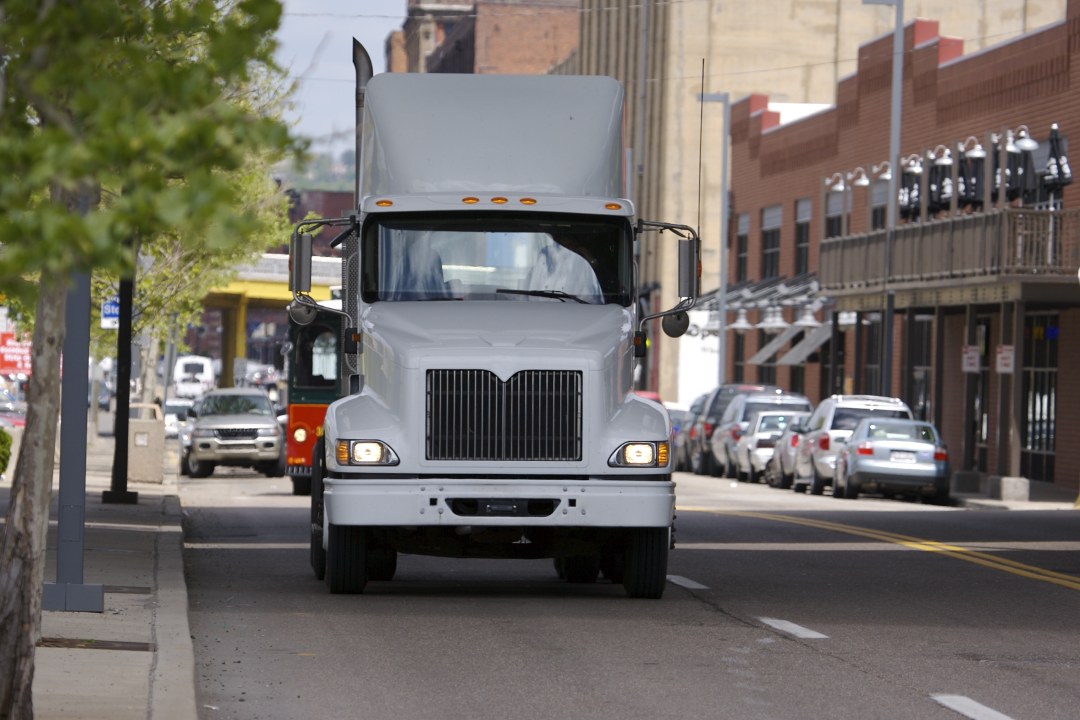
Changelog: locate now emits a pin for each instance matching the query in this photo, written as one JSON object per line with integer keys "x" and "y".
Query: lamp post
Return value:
{"x": 721, "y": 291}
{"x": 890, "y": 212}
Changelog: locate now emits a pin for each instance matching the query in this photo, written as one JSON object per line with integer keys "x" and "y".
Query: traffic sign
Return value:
{"x": 110, "y": 313}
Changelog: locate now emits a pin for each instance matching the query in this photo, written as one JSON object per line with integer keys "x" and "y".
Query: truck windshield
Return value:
{"x": 497, "y": 256}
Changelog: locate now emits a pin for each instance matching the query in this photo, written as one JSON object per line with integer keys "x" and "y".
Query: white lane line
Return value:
{"x": 969, "y": 708}
{"x": 686, "y": 582}
{"x": 792, "y": 629}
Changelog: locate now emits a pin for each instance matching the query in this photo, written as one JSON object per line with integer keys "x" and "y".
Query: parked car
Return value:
{"x": 236, "y": 427}
{"x": 700, "y": 452}
{"x": 893, "y": 456}
{"x": 757, "y": 445}
{"x": 176, "y": 412}
{"x": 679, "y": 414}
{"x": 829, "y": 427}
{"x": 685, "y": 437}
{"x": 780, "y": 470}
{"x": 736, "y": 419}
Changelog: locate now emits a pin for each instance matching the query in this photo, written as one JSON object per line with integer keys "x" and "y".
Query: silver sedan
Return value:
{"x": 893, "y": 456}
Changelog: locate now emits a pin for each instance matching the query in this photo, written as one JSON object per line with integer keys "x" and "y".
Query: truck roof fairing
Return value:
{"x": 507, "y": 134}
{"x": 596, "y": 206}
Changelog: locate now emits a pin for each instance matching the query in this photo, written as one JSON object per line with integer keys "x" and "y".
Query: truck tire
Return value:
{"x": 645, "y": 571}
{"x": 318, "y": 552}
{"x": 301, "y": 484}
{"x": 582, "y": 568}
{"x": 346, "y": 559}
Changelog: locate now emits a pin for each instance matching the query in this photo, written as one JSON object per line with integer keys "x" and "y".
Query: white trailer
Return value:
{"x": 490, "y": 329}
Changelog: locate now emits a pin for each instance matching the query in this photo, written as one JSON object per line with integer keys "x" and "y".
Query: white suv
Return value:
{"x": 829, "y": 427}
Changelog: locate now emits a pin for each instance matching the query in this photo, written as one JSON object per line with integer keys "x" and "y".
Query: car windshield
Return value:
{"x": 235, "y": 405}
{"x": 794, "y": 403}
{"x": 497, "y": 256}
{"x": 896, "y": 431}
{"x": 848, "y": 418}
{"x": 774, "y": 423}
{"x": 172, "y": 408}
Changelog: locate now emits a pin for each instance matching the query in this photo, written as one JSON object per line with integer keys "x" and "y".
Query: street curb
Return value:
{"x": 172, "y": 682}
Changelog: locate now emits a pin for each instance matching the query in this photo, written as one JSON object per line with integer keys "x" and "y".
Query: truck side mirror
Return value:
{"x": 689, "y": 268}
{"x": 676, "y": 324}
{"x": 302, "y": 313}
{"x": 300, "y": 263}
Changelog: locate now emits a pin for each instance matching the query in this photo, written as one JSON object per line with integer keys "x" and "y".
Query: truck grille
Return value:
{"x": 472, "y": 415}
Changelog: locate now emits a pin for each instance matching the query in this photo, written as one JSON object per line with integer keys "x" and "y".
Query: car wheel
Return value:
{"x": 582, "y": 568}
{"x": 708, "y": 464}
{"x": 786, "y": 479}
{"x": 184, "y": 469}
{"x": 645, "y": 574}
{"x": 318, "y": 552}
{"x": 850, "y": 492}
{"x": 730, "y": 471}
{"x": 346, "y": 559}
{"x": 817, "y": 484}
{"x": 198, "y": 468}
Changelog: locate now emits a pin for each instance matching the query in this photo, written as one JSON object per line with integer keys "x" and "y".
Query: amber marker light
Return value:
{"x": 342, "y": 452}
{"x": 612, "y": 206}
{"x": 470, "y": 200}
{"x": 528, "y": 201}
{"x": 499, "y": 200}
{"x": 384, "y": 203}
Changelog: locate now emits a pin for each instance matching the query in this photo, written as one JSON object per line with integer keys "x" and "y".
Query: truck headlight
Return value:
{"x": 641, "y": 454}
{"x": 365, "y": 452}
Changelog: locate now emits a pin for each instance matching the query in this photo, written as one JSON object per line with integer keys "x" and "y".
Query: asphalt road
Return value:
{"x": 779, "y": 606}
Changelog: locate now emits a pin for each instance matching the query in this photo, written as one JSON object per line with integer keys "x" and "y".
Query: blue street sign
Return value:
{"x": 110, "y": 313}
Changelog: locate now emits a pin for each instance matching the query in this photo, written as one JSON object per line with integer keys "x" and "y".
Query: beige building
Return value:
{"x": 791, "y": 50}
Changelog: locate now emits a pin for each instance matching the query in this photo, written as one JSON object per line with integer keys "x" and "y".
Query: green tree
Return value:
{"x": 117, "y": 121}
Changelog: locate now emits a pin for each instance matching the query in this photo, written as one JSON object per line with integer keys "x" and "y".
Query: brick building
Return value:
{"x": 979, "y": 279}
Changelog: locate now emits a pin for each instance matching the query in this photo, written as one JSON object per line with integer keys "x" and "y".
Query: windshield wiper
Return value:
{"x": 557, "y": 294}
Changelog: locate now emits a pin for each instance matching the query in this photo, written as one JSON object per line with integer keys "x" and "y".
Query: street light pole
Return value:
{"x": 894, "y": 157}
{"x": 721, "y": 292}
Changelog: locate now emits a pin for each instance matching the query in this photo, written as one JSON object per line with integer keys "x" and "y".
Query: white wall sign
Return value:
{"x": 1006, "y": 359}
{"x": 970, "y": 360}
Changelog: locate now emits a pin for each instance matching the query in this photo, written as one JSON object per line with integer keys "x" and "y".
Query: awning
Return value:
{"x": 774, "y": 345}
{"x": 813, "y": 340}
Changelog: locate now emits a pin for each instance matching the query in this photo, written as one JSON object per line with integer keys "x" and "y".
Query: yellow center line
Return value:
{"x": 973, "y": 556}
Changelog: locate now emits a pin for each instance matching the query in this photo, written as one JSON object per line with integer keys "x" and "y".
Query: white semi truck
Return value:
{"x": 489, "y": 335}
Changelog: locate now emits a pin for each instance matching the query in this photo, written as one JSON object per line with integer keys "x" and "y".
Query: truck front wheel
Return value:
{"x": 645, "y": 562}
{"x": 318, "y": 552}
{"x": 346, "y": 559}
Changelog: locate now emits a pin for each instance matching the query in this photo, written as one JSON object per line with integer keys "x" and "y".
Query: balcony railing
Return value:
{"x": 1042, "y": 244}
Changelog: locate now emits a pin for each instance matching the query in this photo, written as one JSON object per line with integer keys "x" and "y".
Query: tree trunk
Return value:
{"x": 22, "y": 540}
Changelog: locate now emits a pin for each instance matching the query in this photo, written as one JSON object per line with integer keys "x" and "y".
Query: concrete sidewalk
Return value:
{"x": 135, "y": 659}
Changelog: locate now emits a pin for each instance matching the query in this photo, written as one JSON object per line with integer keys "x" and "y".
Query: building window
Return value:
{"x": 771, "y": 219}
{"x": 802, "y": 236}
{"x": 798, "y": 379}
{"x": 766, "y": 372}
{"x": 920, "y": 366}
{"x": 739, "y": 350}
{"x": 1040, "y": 349}
{"x": 879, "y": 201}
{"x": 742, "y": 248}
{"x": 871, "y": 346}
{"x": 834, "y": 214}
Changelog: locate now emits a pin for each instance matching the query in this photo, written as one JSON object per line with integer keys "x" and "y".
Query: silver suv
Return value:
{"x": 237, "y": 427}
{"x": 829, "y": 427}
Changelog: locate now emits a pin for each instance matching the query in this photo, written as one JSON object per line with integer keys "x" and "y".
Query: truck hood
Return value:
{"x": 408, "y": 333}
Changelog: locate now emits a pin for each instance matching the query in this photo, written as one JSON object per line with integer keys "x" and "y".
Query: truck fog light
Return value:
{"x": 299, "y": 435}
